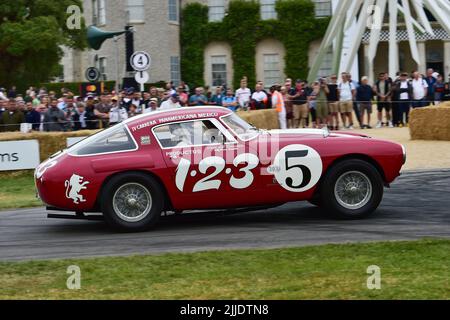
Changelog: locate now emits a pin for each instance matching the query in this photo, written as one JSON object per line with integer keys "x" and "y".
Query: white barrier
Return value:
{"x": 19, "y": 155}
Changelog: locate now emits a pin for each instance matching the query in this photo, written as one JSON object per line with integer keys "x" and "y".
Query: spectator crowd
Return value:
{"x": 333, "y": 102}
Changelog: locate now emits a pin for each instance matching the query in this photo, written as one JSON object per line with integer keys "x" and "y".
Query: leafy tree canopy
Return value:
{"x": 31, "y": 35}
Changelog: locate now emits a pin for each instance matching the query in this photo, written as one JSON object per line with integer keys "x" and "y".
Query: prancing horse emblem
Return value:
{"x": 74, "y": 187}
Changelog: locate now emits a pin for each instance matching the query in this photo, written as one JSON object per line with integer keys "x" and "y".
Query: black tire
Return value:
{"x": 351, "y": 168}
{"x": 144, "y": 184}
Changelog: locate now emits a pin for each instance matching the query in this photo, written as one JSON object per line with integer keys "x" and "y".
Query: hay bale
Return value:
{"x": 430, "y": 123}
{"x": 264, "y": 119}
{"x": 49, "y": 142}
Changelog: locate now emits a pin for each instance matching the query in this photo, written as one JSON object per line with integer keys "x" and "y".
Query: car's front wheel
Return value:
{"x": 132, "y": 202}
{"x": 352, "y": 189}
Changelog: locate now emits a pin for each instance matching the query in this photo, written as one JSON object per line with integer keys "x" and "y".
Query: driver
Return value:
{"x": 180, "y": 135}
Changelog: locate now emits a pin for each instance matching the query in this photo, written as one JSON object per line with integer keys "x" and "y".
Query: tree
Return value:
{"x": 31, "y": 35}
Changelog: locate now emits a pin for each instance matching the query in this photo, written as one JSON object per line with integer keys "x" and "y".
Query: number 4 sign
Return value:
{"x": 140, "y": 61}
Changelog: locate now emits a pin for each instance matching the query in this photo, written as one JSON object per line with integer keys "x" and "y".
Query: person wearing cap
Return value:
{"x": 152, "y": 105}
{"x": 118, "y": 113}
{"x": 347, "y": 93}
{"x": 299, "y": 98}
{"x": 171, "y": 103}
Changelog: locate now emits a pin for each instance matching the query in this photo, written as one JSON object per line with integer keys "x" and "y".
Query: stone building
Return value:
{"x": 157, "y": 29}
{"x": 157, "y": 25}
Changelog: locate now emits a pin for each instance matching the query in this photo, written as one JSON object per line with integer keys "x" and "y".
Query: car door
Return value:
{"x": 208, "y": 168}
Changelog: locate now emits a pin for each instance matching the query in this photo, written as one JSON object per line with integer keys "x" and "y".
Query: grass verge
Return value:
{"x": 409, "y": 270}
{"x": 17, "y": 190}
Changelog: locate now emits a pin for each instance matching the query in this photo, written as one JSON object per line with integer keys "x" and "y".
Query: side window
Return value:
{"x": 118, "y": 139}
{"x": 184, "y": 134}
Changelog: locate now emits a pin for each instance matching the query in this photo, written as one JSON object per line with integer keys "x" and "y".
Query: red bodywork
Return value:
{"x": 256, "y": 188}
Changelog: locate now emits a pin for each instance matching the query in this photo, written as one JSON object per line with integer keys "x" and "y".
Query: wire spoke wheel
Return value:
{"x": 353, "y": 190}
{"x": 132, "y": 202}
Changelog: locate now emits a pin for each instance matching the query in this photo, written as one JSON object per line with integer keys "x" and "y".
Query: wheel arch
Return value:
{"x": 167, "y": 201}
{"x": 359, "y": 156}
{"x": 351, "y": 156}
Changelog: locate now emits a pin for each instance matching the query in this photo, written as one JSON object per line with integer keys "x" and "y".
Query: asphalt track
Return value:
{"x": 416, "y": 206}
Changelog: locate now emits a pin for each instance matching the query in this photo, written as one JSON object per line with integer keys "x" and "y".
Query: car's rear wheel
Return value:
{"x": 132, "y": 202}
{"x": 352, "y": 189}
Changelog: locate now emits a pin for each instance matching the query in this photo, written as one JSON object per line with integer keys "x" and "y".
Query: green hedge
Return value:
{"x": 296, "y": 27}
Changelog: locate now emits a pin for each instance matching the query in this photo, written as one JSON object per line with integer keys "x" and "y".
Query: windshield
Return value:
{"x": 242, "y": 128}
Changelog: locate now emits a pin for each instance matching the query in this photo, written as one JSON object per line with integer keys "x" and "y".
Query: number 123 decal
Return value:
{"x": 296, "y": 168}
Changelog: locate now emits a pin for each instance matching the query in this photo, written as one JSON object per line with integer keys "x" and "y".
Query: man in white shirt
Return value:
{"x": 402, "y": 96}
{"x": 171, "y": 103}
{"x": 347, "y": 92}
{"x": 118, "y": 113}
{"x": 152, "y": 106}
{"x": 420, "y": 90}
{"x": 260, "y": 97}
{"x": 243, "y": 95}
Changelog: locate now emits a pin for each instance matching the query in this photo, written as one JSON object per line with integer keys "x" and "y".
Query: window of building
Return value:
{"x": 173, "y": 10}
{"x": 216, "y": 10}
{"x": 136, "y": 10}
{"x": 102, "y": 68}
{"x": 101, "y": 12}
{"x": 175, "y": 70}
{"x": 272, "y": 72}
{"x": 323, "y": 8}
{"x": 268, "y": 9}
{"x": 219, "y": 70}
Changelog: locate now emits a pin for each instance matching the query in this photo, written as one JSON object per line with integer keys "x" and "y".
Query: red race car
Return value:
{"x": 208, "y": 158}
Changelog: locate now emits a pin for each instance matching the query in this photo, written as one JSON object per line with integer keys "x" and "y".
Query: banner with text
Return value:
{"x": 19, "y": 155}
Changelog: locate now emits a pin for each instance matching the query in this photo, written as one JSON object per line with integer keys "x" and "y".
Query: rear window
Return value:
{"x": 114, "y": 139}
